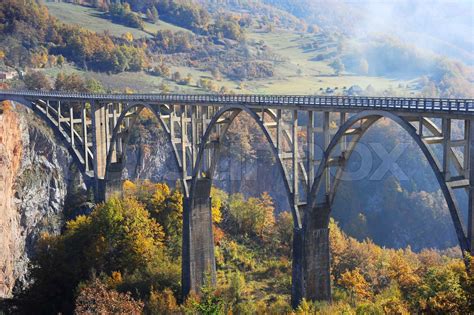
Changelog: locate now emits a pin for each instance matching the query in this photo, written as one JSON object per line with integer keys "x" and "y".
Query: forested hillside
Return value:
{"x": 125, "y": 258}
{"x": 221, "y": 46}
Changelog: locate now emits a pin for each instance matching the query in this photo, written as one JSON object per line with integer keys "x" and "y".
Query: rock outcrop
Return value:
{"x": 10, "y": 233}
{"x": 36, "y": 173}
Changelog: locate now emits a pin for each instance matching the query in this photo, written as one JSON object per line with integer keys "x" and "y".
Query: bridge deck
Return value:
{"x": 425, "y": 105}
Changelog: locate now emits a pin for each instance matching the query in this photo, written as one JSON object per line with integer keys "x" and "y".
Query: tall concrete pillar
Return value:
{"x": 198, "y": 261}
{"x": 316, "y": 262}
{"x": 99, "y": 148}
{"x": 112, "y": 183}
{"x": 297, "y": 276}
{"x": 311, "y": 258}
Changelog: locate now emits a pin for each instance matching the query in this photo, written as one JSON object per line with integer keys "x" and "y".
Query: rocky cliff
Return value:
{"x": 10, "y": 234}
{"x": 36, "y": 172}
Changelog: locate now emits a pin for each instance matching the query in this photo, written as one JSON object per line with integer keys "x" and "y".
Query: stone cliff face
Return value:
{"x": 35, "y": 174}
{"x": 10, "y": 234}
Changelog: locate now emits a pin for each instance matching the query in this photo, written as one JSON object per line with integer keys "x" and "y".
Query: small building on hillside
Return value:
{"x": 8, "y": 75}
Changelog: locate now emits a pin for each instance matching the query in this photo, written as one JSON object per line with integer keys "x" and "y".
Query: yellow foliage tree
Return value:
{"x": 218, "y": 198}
{"x": 356, "y": 284}
{"x": 128, "y": 37}
{"x": 129, "y": 188}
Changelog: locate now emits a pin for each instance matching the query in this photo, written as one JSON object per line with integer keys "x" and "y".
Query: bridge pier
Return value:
{"x": 99, "y": 149}
{"x": 297, "y": 276}
{"x": 112, "y": 184}
{"x": 311, "y": 258}
{"x": 198, "y": 261}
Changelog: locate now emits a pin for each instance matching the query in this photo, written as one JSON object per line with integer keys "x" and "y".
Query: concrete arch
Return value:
{"x": 371, "y": 116}
{"x": 58, "y": 134}
{"x": 109, "y": 177}
{"x": 235, "y": 110}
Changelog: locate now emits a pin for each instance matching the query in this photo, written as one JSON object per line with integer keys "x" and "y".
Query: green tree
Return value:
{"x": 176, "y": 76}
{"x": 338, "y": 66}
{"x": 152, "y": 14}
{"x": 60, "y": 61}
{"x": 94, "y": 86}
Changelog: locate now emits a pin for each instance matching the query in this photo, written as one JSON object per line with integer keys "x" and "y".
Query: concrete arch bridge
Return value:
{"x": 96, "y": 128}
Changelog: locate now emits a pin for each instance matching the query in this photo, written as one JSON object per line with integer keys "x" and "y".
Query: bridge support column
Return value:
{"x": 311, "y": 258}
{"x": 112, "y": 184}
{"x": 316, "y": 262}
{"x": 198, "y": 261}
{"x": 100, "y": 138}
{"x": 297, "y": 277}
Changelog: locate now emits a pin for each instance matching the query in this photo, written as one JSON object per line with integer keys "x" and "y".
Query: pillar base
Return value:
{"x": 198, "y": 261}
{"x": 112, "y": 185}
{"x": 297, "y": 277}
{"x": 311, "y": 258}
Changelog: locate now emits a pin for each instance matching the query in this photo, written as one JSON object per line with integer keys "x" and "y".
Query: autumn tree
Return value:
{"x": 118, "y": 235}
{"x": 253, "y": 216}
{"x": 96, "y": 298}
{"x": 163, "y": 302}
{"x": 60, "y": 61}
{"x": 165, "y": 206}
{"x": 284, "y": 229}
{"x": 69, "y": 82}
{"x": 356, "y": 284}
{"x": 188, "y": 79}
{"x": 218, "y": 199}
{"x": 128, "y": 37}
{"x": 36, "y": 80}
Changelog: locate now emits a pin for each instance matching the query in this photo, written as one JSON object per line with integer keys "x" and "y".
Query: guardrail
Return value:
{"x": 418, "y": 104}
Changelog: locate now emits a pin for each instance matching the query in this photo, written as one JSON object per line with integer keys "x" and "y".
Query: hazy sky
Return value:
{"x": 443, "y": 26}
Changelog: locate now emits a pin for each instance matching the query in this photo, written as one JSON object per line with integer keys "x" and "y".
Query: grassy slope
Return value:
{"x": 93, "y": 20}
{"x": 314, "y": 74}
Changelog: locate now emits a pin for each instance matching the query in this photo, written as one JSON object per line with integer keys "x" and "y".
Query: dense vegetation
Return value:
{"x": 121, "y": 13}
{"x": 216, "y": 41}
{"x": 30, "y": 37}
{"x": 125, "y": 257}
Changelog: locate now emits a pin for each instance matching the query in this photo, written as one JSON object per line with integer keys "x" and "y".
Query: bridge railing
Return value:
{"x": 418, "y": 104}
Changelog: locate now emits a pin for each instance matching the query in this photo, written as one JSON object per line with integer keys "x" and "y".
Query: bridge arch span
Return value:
{"x": 197, "y": 212}
{"x": 323, "y": 194}
{"x": 234, "y": 111}
{"x": 116, "y": 153}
